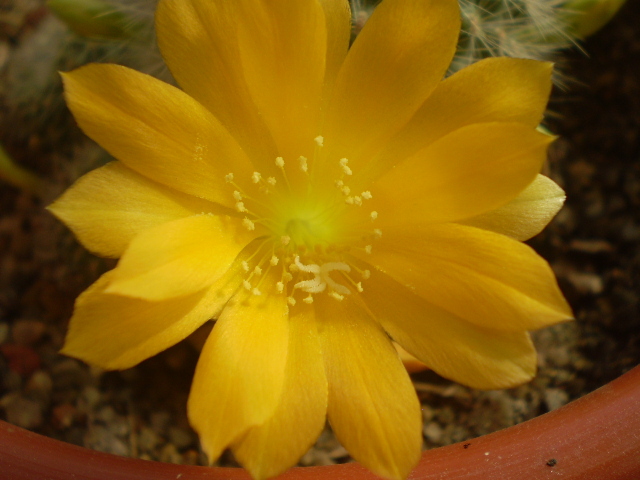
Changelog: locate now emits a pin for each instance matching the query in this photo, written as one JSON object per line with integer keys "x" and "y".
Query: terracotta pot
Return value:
{"x": 594, "y": 438}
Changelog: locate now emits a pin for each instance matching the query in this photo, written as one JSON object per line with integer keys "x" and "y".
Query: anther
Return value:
{"x": 248, "y": 224}
{"x": 280, "y": 162}
{"x": 373, "y": 215}
{"x": 377, "y": 233}
{"x": 241, "y": 208}
{"x": 319, "y": 140}
{"x": 303, "y": 164}
{"x": 357, "y": 200}
{"x": 256, "y": 292}
{"x": 308, "y": 300}
{"x": 345, "y": 168}
{"x": 292, "y": 301}
{"x": 256, "y": 177}
{"x": 368, "y": 249}
{"x": 280, "y": 287}
{"x": 349, "y": 201}
{"x": 285, "y": 239}
{"x": 246, "y": 284}
{"x": 366, "y": 274}
{"x": 345, "y": 190}
{"x": 228, "y": 177}
{"x": 237, "y": 195}
{"x": 257, "y": 270}
{"x": 359, "y": 287}
{"x": 366, "y": 195}
{"x": 336, "y": 295}
{"x": 245, "y": 265}
{"x": 271, "y": 181}
{"x": 274, "y": 261}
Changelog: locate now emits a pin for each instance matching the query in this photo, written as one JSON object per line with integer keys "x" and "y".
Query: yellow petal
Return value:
{"x": 527, "y": 214}
{"x": 373, "y": 408}
{"x": 198, "y": 40}
{"x": 482, "y": 277}
{"x": 269, "y": 449}
{"x": 461, "y": 351}
{"x": 108, "y": 206}
{"x": 239, "y": 377}
{"x": 178, "y": 257}
{"x": 394, "y": 64}
{"x": 491, "y": 90}
{"x": 156, "y": 130}
{"x": 282, "y": 49}
{"x": 338, "y": 25}
{"x": 468, "y": 172}
{"x": 116, "y": 332}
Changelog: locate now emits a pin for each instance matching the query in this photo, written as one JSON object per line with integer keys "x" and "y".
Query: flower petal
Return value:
{"x": 484, "y": 278}
{"x": 198, "y": 40}
{"x": 338, "y": 25}
{"x": 156, "y": 130}
{"x": 526, "y": 215}
{"x": 468, "y": 172}
{"x": 491, "y": 90}
{"x": 178, "y": 257}
{"x": 394, "y": 64}
{"x": 116, "y": 332}
{"x": 373, "y": 408}
{"x": 109, "y": 206}
{"x": 239, "y": 378}
{"x": 269, "y": 449}
{"x": 461, "y": 351}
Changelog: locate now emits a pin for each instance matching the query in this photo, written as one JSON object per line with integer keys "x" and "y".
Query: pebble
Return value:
{"x": 22, "y": 360}
{"x": 555, "y": 398}
{"x": 39, "y": 385}
{"x": 64, "y": 415}
{"x": 27, "y": 331}
{"x": 22, "y": 411}
{"x": 432, "y": 432}
{"x": 180, "y": 438}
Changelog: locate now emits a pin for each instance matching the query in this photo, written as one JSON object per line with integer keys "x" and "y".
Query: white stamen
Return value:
{"x": 373, "y": 215}
{"x": 377, "y": 233}
{"x": 357, "y": 200}
{"x": 349, "y": 201}
{"x": 237, "y": 195}
{"x": 280, "y": 162}
{"x": 228, "y": 177}
{"x": 366, "y": 274}
{"x": 245, "y": 266}
{"x": 274, "y": 261}
{"x": 271, "y": 181}
{"x": 256, "y": 177}
{"x": 366, "y": 195}
{"x": 303, "y": 164}
{"x": 308, "y": 300}
{"x": 248, "y": 224}
{"x": 246, "y": 284}
{"x": 368, "y": 249}
{"x": 359, "y": 287}
{"x": 256, "y": 292}
{"x": 291, "y": 301}
{"x": 339, "y": 183}
{"x": 287, "y": 277}
{"x": 285, "y": 239}
{"x": 345, "y": 190}
{"x": 280, "y": 287}
{"x": 319, "y": 140}
{"x": 257, "y": 270}
{"x": 336, "y": 295}
{"x": 241, "y": 208}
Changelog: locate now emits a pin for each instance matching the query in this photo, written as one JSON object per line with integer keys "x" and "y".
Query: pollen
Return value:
{"x": 248, "y": 224}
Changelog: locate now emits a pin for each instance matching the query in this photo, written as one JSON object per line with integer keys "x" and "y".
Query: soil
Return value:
{"x": 593, "y": 246}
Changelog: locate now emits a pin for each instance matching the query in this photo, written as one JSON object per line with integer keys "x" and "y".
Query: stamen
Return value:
{"x": 257, "y": 270}
{"x": 368, "y": 249}
{"x": 345, "y": 190}
{"x": 366, "y": 195}
{"x": 366, "y": 274}
{"x": 377, "y": 233}
{"x": 359, "y": 287}
{"x": 271, "y": 181}
{"x": 246, "y": 284}
{"x": 237, "y": 195}
{"x": 303, "y": 164}
{"x": 248, "y": 224}
{"x": 308, "y": 300}
{"x": 292, "y": 301}
{"x": 241, "y": 208}
{"x": 256, "y": 177}
{"x": 280, "y": 287}
{"x": 336, "y": 295}
{"x": 256, "y": 292}
{"x": 357, "y": 200}
{"x": 319, "y": 140}
{"x": 285, "y": 239}
{"x": 228, "y": 177}
{"x": 245, "y": 265}
{"x": 280, "y": 162}
{"x": 345, "y": 168}
{"x": 274, "y": 261}
{"x": 373, "y": 215}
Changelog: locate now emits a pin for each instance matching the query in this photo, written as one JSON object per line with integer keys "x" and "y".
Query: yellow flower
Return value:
{"x": 318, "y": 202}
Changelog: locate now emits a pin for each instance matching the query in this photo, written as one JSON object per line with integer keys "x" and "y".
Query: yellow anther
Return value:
{"x": 287, "y": 277}
{"x": 366, "y": 195}
{"x": 357, "y": 200}
{"x": 343, "y": 162}
{"x": 279, "y": 287}
{"x": 345, "y": 190}
{"x": 256, "y": 177}
{"x": 248, "y": 224}
{"x": 246, "y": 284}
{"x": 237, "y": 195}
{"x": 366, "y": 274}
{"x": 339, "y": 183}
{"x": 377, "y": 232}
{"x": 280, "y": 162}
{"x": 359, "y": 287}
{"x": 349, "y": 201}
{"x": 336, "y": 295}
{"x": 274, "y": 261}
{"x": 285, "y": 239}
{"x": 373, "y": 215}
{"x": 319, "y": 140}
{"x": 228, "y": 177}
{"x": 292, "y": 301}
{"x": 368, "y": 249}
{"x": 241, "y": 208}
{"x": 257, "y": 270}
{"x": 345, "y": 168}
{"x": 308, "y": 300}
{"x": 245, "y": 266}
{"x": 256, "y": 292}
{"x": 303, "y": 164}
{"x": 271, "y": 181}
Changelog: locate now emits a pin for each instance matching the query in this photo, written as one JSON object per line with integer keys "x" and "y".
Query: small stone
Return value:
{"x": 432, "y": 432}
{"x": 147, "y": 439}
{"x": 555, "y": 398}
{"x": 21, "y": 411}
{"x": 64, "y": 415}
{"x": 169, "y": 454}
{"x": 27, "y": 331}
{"x": 40, "y": 385}
{"x": 22, "y": 360}
{"x": 180, "y": 438}
{"x": 586, "y": 282}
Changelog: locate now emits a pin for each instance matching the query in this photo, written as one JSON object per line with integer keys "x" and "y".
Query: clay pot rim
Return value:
{"x": 594, "y": 437}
